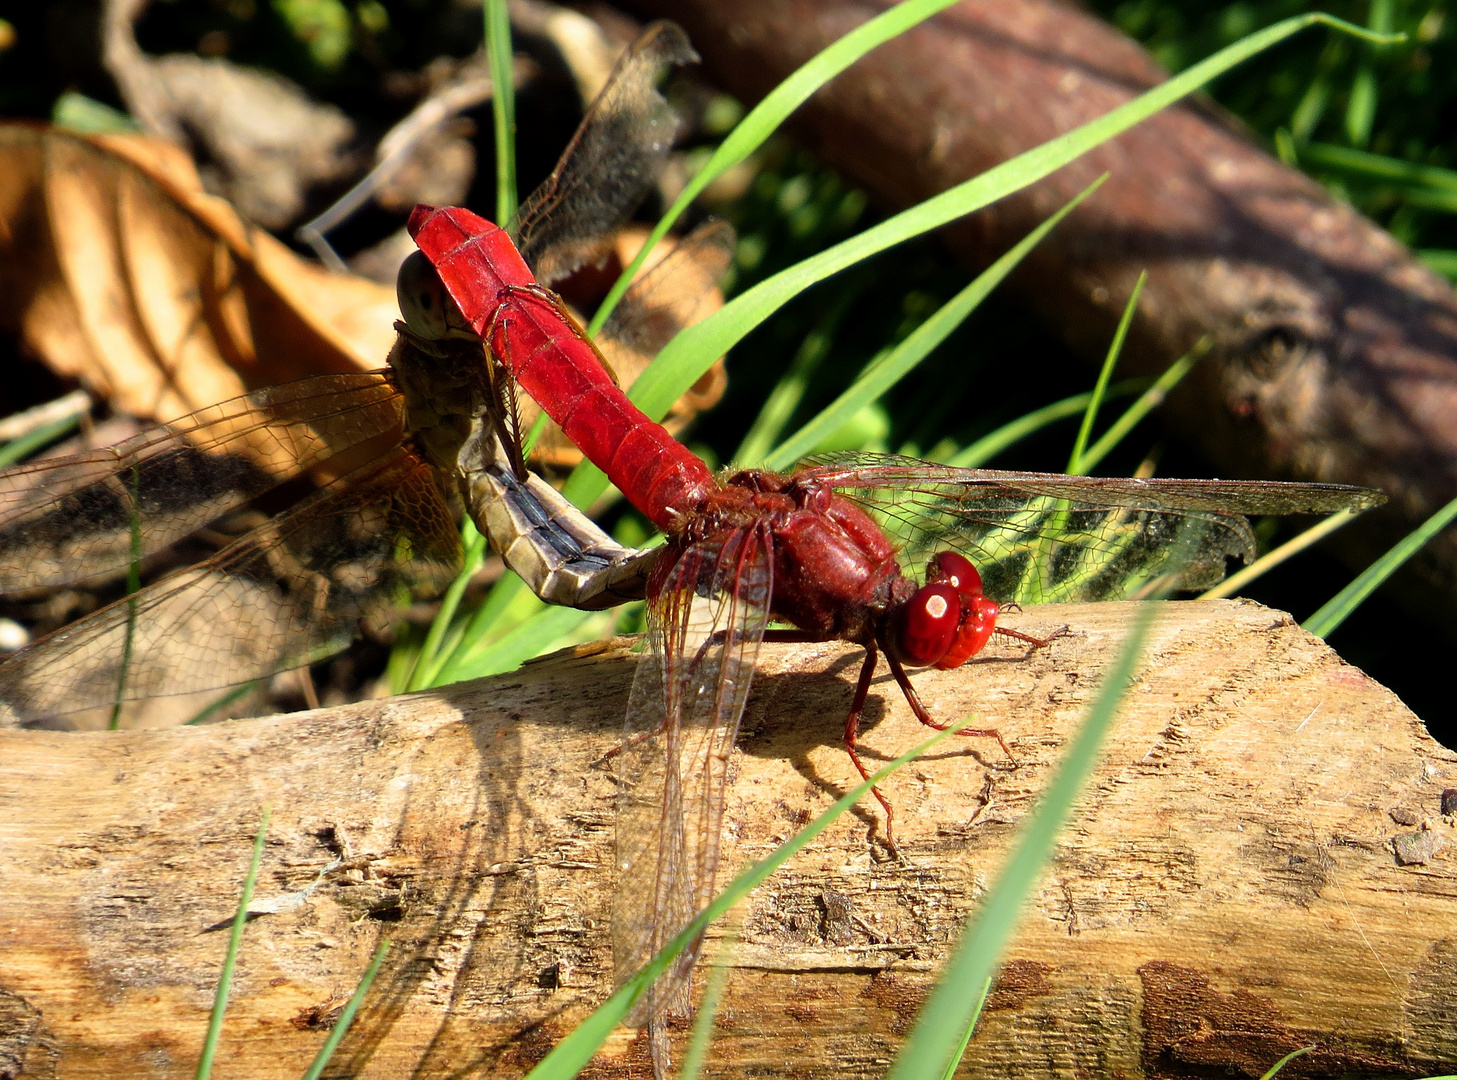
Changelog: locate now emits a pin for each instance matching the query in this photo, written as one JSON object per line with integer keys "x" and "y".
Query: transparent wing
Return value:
{"x": 1044, "y": 537}
{"x": 706, "y": 617}
{"x": 668, "y": 297}
{"x": 610, "y": 164}
{"x": 71, "y": 519}
{"x": 290, "y": 592}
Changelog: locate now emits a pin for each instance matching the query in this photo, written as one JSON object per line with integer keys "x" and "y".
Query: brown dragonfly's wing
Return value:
{"x": 86, "y": 516}
{"x": 668, "y": 296}
{"x": 1042, "y": 537}
{"x": 610, "y": 164}
{"x": 288, "y": 593}
{"x": 707, "y": 611}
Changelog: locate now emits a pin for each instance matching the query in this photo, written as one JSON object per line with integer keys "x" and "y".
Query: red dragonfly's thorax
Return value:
{"x": 835, "y": 572}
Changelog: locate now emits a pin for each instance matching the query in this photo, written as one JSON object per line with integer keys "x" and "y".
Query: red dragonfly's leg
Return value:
{"x": 925, "y": 717}
{"x": 852, "y": 732}
{"x": 852, "y": 720}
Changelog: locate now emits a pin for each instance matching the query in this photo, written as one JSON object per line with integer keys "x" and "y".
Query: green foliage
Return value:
{"x": 1375, "y": 124}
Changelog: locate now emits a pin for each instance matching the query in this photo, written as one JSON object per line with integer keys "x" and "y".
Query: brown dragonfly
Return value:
{"x": 400, "y": 451}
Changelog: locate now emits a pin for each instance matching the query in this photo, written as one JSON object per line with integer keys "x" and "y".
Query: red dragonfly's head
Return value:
{"x": 948, "y": 620}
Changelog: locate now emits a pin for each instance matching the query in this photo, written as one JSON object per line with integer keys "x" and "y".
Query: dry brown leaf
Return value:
{"x": 117, "y": 270}
{"x": 120, "y": 272}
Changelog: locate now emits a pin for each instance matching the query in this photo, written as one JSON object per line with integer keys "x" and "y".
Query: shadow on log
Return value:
{"x": 1260, "y": 864}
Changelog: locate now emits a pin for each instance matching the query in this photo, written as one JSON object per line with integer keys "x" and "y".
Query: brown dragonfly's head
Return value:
{"x": 429, "y": 312}
{"x": 946, "y": 621}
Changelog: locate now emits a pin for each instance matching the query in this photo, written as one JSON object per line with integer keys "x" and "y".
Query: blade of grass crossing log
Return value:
{"x": 569, "y": 1056}
{"x": 767, "y": 117}
{"x": 235, "y": 940}
{"x": 901, "y": 360}
{"x": 701, "y": 1037}
{"x": 1076, "y": 464}
{"x": 981, "y": 1002}
{"x": 931, "y": 1048}
{"x": 1274, "y": 1070}
{"x": 1335, "y": 610}
{"x": 341, "y": 1027}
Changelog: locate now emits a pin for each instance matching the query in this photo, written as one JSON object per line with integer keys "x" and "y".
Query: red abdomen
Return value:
{"x": 547, "y": 355}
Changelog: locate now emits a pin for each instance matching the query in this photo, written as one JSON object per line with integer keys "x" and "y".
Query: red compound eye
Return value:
{"x": 978, "y": 621}
{"x": 956, "y": 570}
{"x": 928, "y": 624}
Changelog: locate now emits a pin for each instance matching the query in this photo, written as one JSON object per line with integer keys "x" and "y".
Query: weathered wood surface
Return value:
{"x": 1334, "y": 350}
{"x": 1230, "y": 889}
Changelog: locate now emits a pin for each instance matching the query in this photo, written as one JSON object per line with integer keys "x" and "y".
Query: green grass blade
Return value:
{"x": 702, "y": 1035}
{"x": 1149, "y": 400}
{"x": 207, "y": 712}
{"x": 529, "y": 639}
{"x": 21, "y": 448}
{"x": 1335, "y": 611}
{"x": 341, "y": 1028}
{"x": 430, "y": 658}
{"x": 994, "y": 442}
{"x": 692, "y": 352}
{"x": 1076, "y": 462}
{"x": 570, "y": 1055}
{"x": 901, "y": 360}
{"x": 766, "y": 117}
{"x": 1364, "y": 165}
{"x": 503, "y": 106}
{"x": 235, "y": 941}
{"x": 1274, "y": 1069}
{"x": 981, "y": 1002}
{"x": 944, "y": 1019}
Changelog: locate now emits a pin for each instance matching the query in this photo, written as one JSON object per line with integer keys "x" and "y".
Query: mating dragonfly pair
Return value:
{"x": 899, "y": 556}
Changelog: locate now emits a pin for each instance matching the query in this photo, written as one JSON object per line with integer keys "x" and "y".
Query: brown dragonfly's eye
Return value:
{"x": 422, "y": 298}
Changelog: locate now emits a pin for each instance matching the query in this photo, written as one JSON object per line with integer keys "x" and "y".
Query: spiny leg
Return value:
{"x": 1030, "y": 639}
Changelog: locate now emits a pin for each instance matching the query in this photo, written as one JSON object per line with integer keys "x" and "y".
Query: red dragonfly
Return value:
{"x": 404, "y": 447}
{"x": 829, "y": 550}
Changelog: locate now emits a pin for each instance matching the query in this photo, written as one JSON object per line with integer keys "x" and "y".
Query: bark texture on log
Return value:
{"x": 1335, "y": 352}
{"x": 1257, "y": 866}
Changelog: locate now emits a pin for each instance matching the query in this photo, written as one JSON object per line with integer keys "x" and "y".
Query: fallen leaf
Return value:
{"x": 118, "y": 270}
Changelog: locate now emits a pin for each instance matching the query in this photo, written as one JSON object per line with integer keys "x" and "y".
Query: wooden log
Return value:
{"x": 1260, "y": 863}
{"x": 1334, "y": 350}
